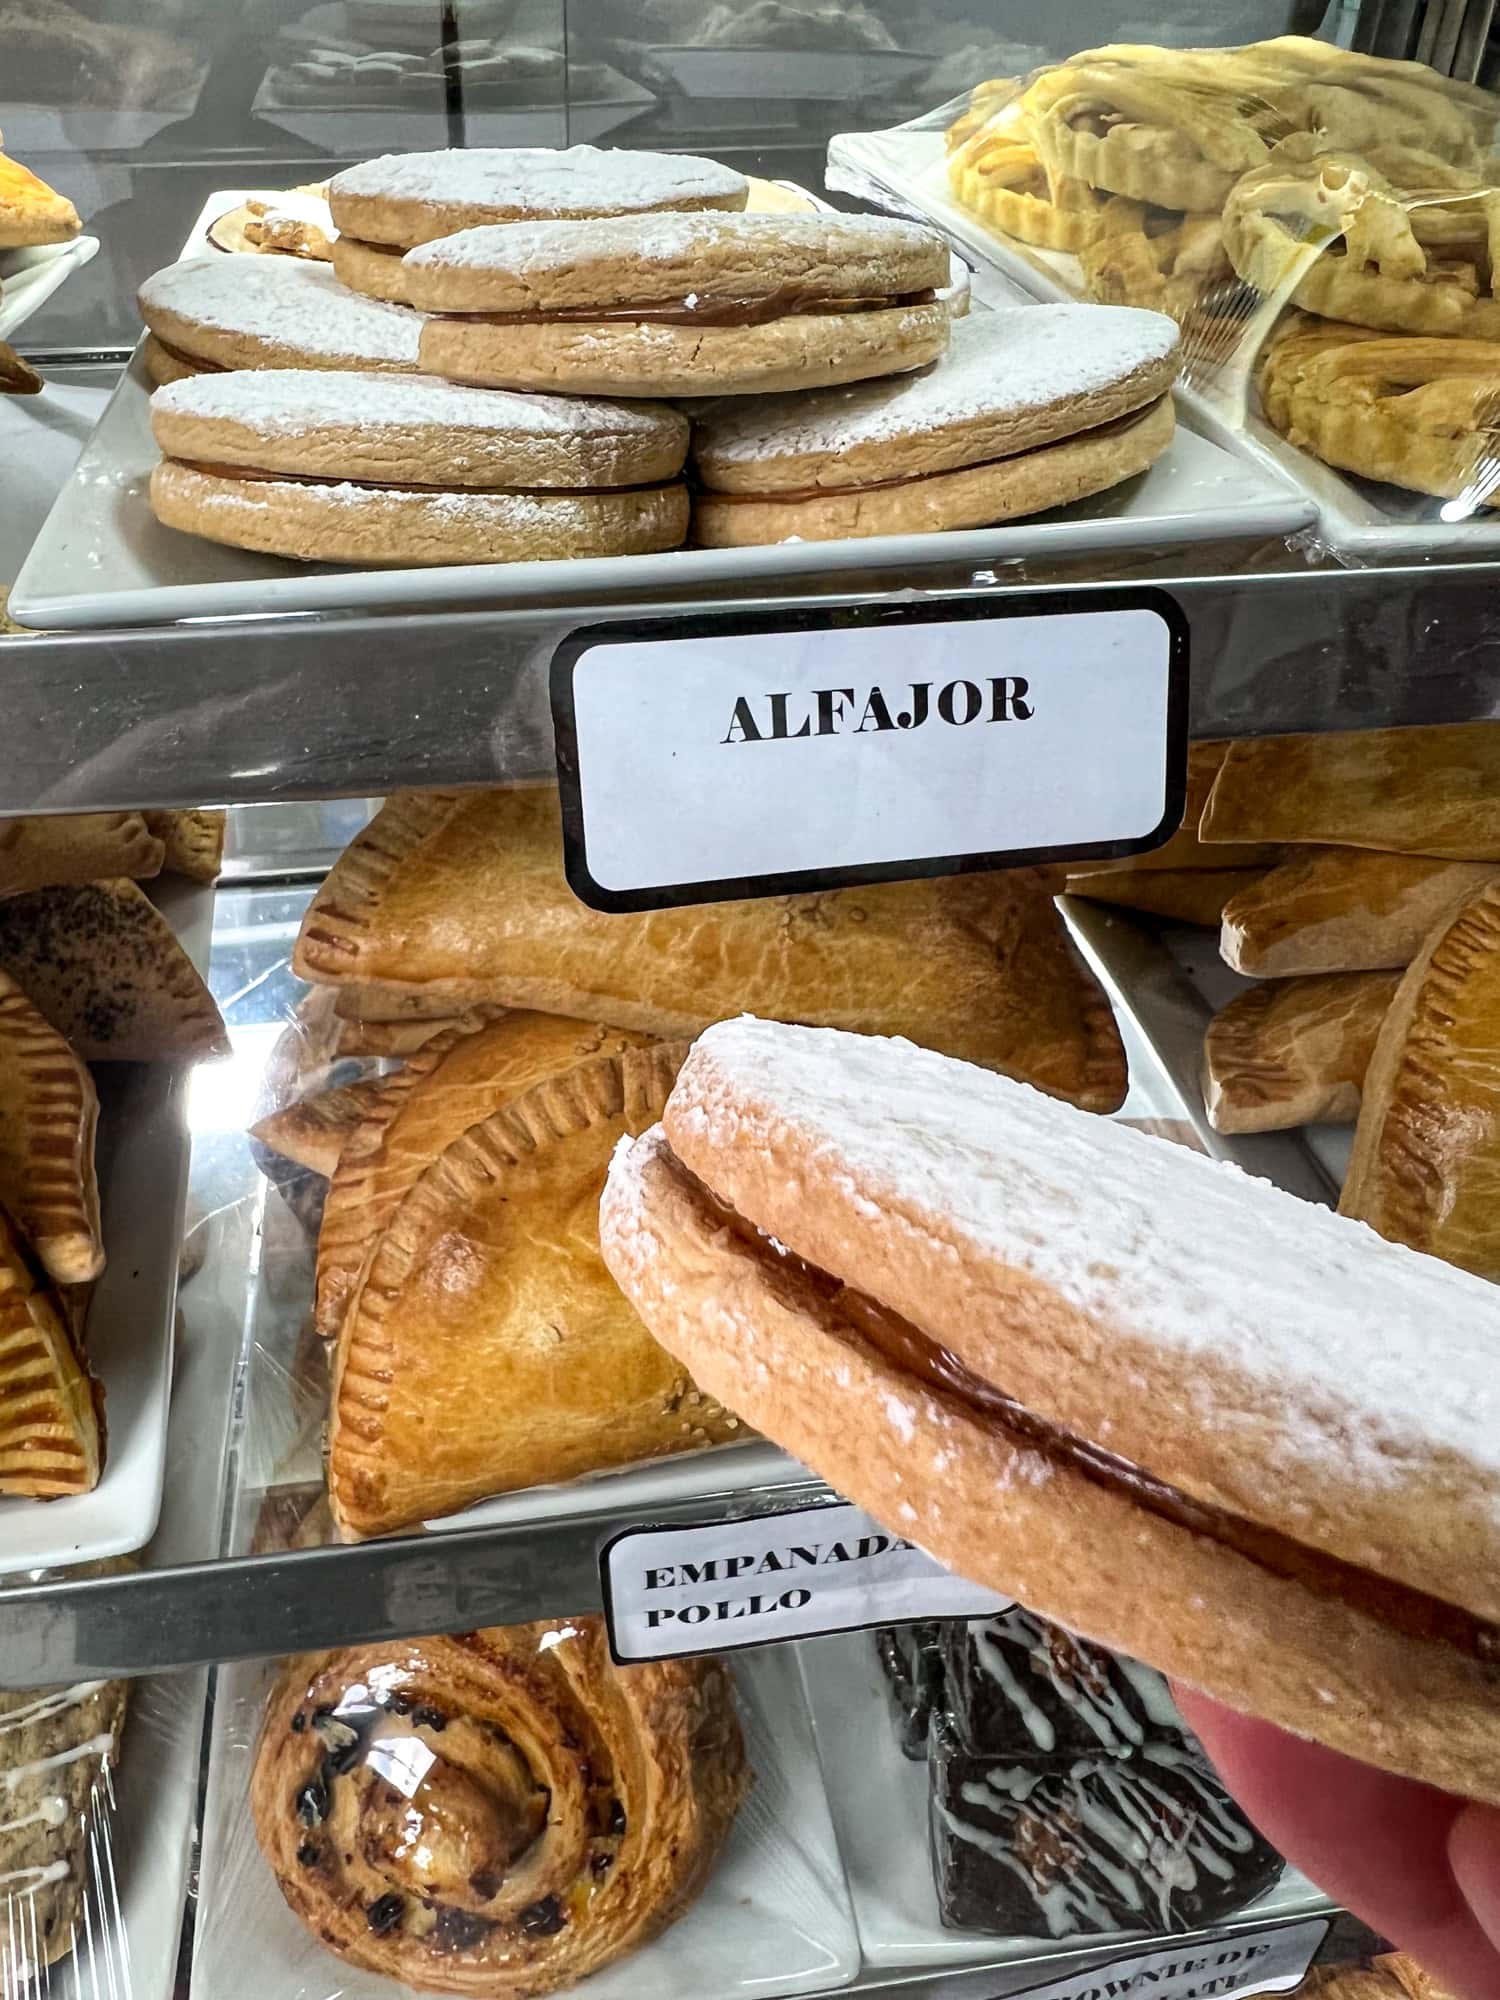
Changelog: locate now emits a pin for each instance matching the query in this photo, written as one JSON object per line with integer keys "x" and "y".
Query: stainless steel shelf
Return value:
{"x": 317, "y": 707}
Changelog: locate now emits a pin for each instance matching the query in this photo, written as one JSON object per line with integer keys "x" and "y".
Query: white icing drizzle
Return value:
{"x": 1152, "y": 1692}
{"x": 49, "y": 1703}
{"x": 992, "y": 1657}
{"x": 51, "y": 1812}
{"x": 96, "y": 1746}
{"x": 1092, "y": 1692}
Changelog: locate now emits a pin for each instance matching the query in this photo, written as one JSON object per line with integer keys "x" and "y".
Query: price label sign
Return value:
{"x": 703, "y": 758}
{"x": 1251, "y": 1961}
{"x": 719, "y": 1586}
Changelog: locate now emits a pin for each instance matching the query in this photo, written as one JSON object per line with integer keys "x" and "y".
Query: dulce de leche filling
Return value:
{"x": 907, "y": 1348}
{"x": 702, "y": 309}
{"x": 250, "y": 472}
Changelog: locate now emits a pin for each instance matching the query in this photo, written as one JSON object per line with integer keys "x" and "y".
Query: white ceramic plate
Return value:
{"x": 773, "y": 1919}
{"x": 28, "y": 278}
{"x": 102, "y": 558}
{"x": 143, "y": 1169}
{"x": 879, "y": 1802}
{"x": 1359, "y": 516}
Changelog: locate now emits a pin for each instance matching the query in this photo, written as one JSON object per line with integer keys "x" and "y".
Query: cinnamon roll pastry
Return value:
{"x": 498, "y": 1813}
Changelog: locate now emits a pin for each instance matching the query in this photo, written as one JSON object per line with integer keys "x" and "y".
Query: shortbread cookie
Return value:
{"x": 389, "y": 205}
{"x": 216, "y": 312}
{"x": 1032, "y": 407}
{"x": 378, "y": 469}
{"x": 682, "y": 305}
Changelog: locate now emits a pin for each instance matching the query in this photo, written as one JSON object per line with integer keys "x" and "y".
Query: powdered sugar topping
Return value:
{"x": 1011, "y": 360}
{"x": 582, "y": 180}
{"x": 287, "y": 301}
{"x": 645, "y": 240}
{"x": 299, "y": 402}
{"x": 1376, "y": 1357}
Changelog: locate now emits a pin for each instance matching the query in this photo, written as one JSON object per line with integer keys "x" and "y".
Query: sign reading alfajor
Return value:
{"x": 717, "y": 1586}
{"x": 709, "y": 758}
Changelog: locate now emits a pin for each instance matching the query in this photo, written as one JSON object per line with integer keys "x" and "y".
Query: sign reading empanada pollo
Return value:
{"x": 704, "y": 758}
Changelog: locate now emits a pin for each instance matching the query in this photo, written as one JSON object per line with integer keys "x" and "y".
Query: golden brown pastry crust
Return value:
{"x": 193, "y": 840}
{"x": 569, "y": 1810}
{"x": 487, "y": 1348}
{"x": 1432, "y": 790}
{"x": 313, "y": 1131}
{"x": 1293, "y": 1051}
{"x": 49, "y": 1114}
{"x": 51, "y": 1411}
{"x": 105, "y": 968}
{"x": 459, "y": 1078}
{"x": 50, "y": 849}
{"x": 463, "y": 894}
{"x": 1186, "y": 1605}
{"x": 1426, "y": 1164}
{"x": 30, "y": 211}
{"x": 1183, "y": 895}
{"x": 1342, "y": 909}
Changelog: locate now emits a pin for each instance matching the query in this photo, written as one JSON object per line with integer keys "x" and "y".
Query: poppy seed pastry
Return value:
{"x": 682, "y": 305}
{"x": 387, "y": 206}
{"x": 379, "y": 469}
{"x": 214, "y": 312}
{"x": 1125, "y": 1385}
{"x": 1031, "y": 407}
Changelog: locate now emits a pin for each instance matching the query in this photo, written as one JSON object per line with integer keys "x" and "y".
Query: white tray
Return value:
{"x": 773, "y": 1919}
{"x": 1358, "y": 517}
{"x": 28, "y": 278}
{"x": 879, "y": 1802}
{"x": 144, "y": 1149}
{"x": 102, "y": 558}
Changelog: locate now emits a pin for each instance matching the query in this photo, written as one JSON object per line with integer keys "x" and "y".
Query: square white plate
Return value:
{"x": 1360, "y": 516}
{"x": 773, "y": 1919}
{"x": 28, "y": 278}
{"x": 879, "y": 1802}
{"x": 102, "y": 558}
{"x": 143, "y": 1155}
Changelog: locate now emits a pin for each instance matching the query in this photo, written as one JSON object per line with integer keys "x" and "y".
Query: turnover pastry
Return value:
{"x": 215, "y": 312}
{"x": 486, "y": 1348}
{"x": 1294, "y": 1051}
{"x": 995, "y": 170}
{"x": 193, "y": 843}
{"x": 38, "y": 852}
{"x": 458, "y": 1079}
{"x": 336, "y": 467}
{"x": 464, "y": 894}
{"x": 105, "y": 968}
{"x": 682, "y": 305}
{"x": 48, "y": 1117}
{"x": 1426, "y": 1164}
{"x": 1031, "y": 407}
{"x": 30, "y": 211}
{"x": 51, "y": 1410}
{"x": 58, "y": 1748}
{"x": 499, "y": 1813}
{"x": 1142, "y": 1353}
{"x": 386, "y": 207}
{"x": 1341, "y": 909}
{"x": 1433, "y": 790}
{"x": 1421, "y": 413}
{"x": 1181, "y": 895}
{"x": 313, "y": 1131}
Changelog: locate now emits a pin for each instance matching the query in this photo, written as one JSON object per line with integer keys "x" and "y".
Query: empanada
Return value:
{"x": 463, "y": 895}
{"x": 51, "y": 1411}
{"x": 40, "y": 852}
{"x": 1293, "y": 1051}
{"x": 194, "y": 842}
{"x": 1182, "y": 895}
{"x": 313, "y": 1131}
{"x": 1341, "y": 909}
{"x": 49, "y": 1113}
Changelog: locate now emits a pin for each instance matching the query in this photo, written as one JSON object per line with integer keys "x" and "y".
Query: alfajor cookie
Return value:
{"x": 214, "y": 312}
{"x": 383, "y": 469}
{"x": 682, "y": 305}
{"x": 387, "y": 206}
{"x": 1031, "y": 407}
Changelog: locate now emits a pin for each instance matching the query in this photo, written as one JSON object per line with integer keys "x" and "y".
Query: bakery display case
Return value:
{"x": 530, "y": 532}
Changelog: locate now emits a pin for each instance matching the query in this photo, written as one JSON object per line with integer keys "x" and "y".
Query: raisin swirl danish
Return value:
{"x": 497, "y": 1813}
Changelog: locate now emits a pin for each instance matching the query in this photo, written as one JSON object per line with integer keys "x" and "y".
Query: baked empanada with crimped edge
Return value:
{"x": 1341, "y": 909}
{"x": 1293, "y": 1051}
{"x": 50, "y": 849}
{"x": 313, "y": 1131}
{"x": 194, "y": 842}
{"x": 49, "y": 1114}
{"x": 51, "y": 1410}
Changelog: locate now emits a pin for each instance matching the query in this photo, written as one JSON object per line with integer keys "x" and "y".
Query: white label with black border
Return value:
{"x": 751, "y": 761}
{"x": 1265, "y": 1961}
{"x": 720, "y": 1585}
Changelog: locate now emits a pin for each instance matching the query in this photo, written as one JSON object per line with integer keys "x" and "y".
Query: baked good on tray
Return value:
{"x": 51, "y": 1410}
{"x": 44, "y": 850}
{"x": 216, "y": 312}
{"x": 387, "y": 206}
{"x": 49, "y": 1113}
{"x": 1031, "y": 407}
{"x": 329, "y": 466}
{"x": 1341, "y": 909}
{"x": 192, "y": 840}
{"x": 682, "y": 305}
{"x": 463, "y": 895}
{"x": 30, "y": 211}
{"x": 498, "y": 1813}
{"x": 1146, "y": 1355}
{"x": 1293, "y": 1051}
